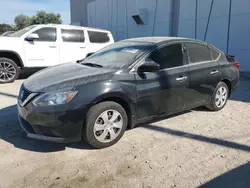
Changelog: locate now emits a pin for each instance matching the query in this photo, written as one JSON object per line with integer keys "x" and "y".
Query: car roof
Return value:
{"x": 74, "y": 27}
{"x": 160, "y": 40}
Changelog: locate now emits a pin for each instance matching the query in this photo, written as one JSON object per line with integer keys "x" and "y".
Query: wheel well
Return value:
{"x": 228, "y": 85}
{"x": 13, "y": 56}
{"x": 125, "y": 105}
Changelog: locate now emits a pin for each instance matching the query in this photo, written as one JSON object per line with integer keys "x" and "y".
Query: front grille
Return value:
{"x": 46, "y": 131}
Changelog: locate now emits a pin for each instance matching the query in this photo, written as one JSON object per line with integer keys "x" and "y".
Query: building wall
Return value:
{"x": 116, "y": 16}
{"x": 78, "y": 12}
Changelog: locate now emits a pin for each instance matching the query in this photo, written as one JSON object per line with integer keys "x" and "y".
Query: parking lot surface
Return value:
{"x": 195, "y": 148}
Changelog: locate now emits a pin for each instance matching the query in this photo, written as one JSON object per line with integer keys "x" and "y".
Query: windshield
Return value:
{"x": 22, "y": 31}
{"x": 118, "y": 55}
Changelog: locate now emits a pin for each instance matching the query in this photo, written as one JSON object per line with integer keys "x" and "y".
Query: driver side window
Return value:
{"x": 168, "y": 56}
{"x": 46, "y": 34}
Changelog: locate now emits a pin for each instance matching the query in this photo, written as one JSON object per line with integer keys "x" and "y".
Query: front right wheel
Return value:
{"x": 219, "y": 98}
{"x": 106, "y": 123}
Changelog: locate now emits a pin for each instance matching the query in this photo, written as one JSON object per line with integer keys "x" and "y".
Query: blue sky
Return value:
{"x": 11, "y": 8}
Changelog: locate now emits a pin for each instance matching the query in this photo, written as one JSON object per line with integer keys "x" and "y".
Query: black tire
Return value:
{"x": 17, "y": 71}
{"x": 93, "y": 114}
{"x": 212, "y": 106}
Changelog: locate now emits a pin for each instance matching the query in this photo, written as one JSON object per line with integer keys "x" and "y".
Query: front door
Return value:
{"x": 42, "y": 52}
{"x": 203, "y": 73}
{"x": 163, "y": 92}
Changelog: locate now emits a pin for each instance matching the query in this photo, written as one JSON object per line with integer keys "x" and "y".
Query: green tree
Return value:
{"x": 46, "y": 18}
{"x": 5, "y": 27}
{"x": 22, "y": 21}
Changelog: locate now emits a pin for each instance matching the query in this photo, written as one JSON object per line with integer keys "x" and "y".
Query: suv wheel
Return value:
{"x": 106, "y": 123}
{"x": 219, "y": 98}
{"x": 9, "y": 71}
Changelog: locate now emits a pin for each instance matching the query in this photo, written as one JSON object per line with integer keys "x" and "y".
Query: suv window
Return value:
{"x": 47, "y": 34}
{"x": 98, "y": 37}
{"x": 73, "y": 35}
{"x": 168, "y": 56}
{"x": 198, "y": 53}
{"x": 215, "y": 53}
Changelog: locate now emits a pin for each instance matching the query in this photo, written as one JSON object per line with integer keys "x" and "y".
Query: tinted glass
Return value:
{"x": 215, "y": 53}
{"x": 46, "y": 34}
{"x": 73, "y": 35}
{"x": 168, "y": 56}
{"x": 98, "y": 37}
{"x": 118, "y": 55}
{"x": 198, "y": 53}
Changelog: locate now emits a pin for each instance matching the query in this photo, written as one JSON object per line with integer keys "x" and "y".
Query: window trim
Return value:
{"x": 188, "y": 55}
{"x": 72, "y": 41}
{"x": 56, "y": 38}
{"x": 134, "y": 66}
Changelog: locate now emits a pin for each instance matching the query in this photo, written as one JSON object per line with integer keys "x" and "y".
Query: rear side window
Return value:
{"x": 215, "y": 54}
{"x": 168, "y": 56}
{"x": 46, "y": 34}
{"x": 98, "y": 37}
{"x": 198, "y": 53}
{"x": 72, "y": 35}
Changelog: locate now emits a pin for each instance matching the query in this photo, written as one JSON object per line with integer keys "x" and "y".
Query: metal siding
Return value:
{"x": 116, "y": 15}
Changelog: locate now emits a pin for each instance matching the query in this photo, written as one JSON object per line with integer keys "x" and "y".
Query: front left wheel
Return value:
{"x": 9, "y": 71}
{"x": 106, "y": 123}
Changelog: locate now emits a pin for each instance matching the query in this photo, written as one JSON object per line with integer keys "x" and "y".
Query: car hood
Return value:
{"x": 64, "y": 76}
{"x": 9, "y": 43}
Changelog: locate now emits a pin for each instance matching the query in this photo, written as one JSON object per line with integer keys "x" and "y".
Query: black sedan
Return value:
{"x": 124, "y": 84}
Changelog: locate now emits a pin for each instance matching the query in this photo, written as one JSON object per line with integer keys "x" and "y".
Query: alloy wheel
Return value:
{"x": 7, "y": 71}
{"x": 221, "y": 97}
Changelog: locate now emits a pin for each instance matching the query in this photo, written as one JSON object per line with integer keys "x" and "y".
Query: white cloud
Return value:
{"x": 11, "y": 8}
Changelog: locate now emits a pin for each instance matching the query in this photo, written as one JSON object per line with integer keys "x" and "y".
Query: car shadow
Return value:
{"x": 238, "y": 177}
{"x": 11, "y": 132}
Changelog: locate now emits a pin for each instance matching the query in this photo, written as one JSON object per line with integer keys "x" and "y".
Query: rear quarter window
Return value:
{"x": 98, "y": 37}
{"x": 215, "y": 54}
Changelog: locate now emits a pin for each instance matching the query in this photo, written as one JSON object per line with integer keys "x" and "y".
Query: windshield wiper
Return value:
{"x": 92, "y": 65}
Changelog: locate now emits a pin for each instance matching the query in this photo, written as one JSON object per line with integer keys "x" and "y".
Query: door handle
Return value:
{"x": 214, "y": 72}
{"x": 52, "y": 46}
{"x": 82, "y": 47}
{"x": 181, "y": 78}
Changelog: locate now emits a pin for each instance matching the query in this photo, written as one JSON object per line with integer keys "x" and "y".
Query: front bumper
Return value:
{"x": 54, "y": 125}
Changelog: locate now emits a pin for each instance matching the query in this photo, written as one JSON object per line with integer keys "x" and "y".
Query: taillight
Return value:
{"x": 237, "y": 65}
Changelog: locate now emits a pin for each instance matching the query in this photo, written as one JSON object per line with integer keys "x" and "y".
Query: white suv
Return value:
{"x": 40, "y": 46}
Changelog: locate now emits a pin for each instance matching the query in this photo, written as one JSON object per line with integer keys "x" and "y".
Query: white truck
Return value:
{"x": 40, "y": 46}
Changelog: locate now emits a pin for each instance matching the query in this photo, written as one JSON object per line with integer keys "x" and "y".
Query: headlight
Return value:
{"x": 54, "y": 98}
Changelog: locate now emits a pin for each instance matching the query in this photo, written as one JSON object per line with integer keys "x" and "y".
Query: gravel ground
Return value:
{"x": 196, "y": 148}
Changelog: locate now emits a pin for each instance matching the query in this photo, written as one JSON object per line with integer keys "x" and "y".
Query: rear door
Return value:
{"x": 72, "y": 46}
{"x": 203, "y": 72}
{"x": 163, "y": 91}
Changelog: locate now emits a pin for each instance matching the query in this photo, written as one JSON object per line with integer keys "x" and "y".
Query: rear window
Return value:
{"x": 98, "y": 37}
{"x": 198, "y": 53}
{"x": 72, "y": 35}
{"x": 215, "y": 53}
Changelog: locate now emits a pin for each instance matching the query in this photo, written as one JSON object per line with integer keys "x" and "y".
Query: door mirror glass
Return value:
{"x": 32, "y": 36}
{"x": 149, "y": 66}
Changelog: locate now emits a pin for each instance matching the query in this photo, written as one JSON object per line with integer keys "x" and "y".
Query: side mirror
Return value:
{"x": 32, "y": 36}
{"x": 149, "y": 66}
